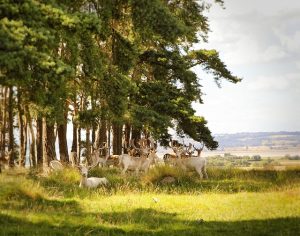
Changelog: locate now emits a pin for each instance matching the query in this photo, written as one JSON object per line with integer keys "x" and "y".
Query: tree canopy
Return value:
{"x": 122, "y": 62}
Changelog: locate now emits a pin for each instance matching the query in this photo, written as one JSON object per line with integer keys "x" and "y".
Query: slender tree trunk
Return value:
{"x": 62, "y": 138}
{"x": 11, "y": 127}
{"x": 94, "y": 134}
{"x": 127, "y": 138}
{"x": 1, "y": 119}
{"x": 39, "y": 141}
{"x": 117, "y": 139}
{"x": 102, "y": 133}
{"x": 101, "y": 139}
{"x": 51, "y": 141}
{"x": 109, "y": 137}
{"x": 78, "y": 143}
{"x": 75, "y": 128}
{"x": 48, "y": 143}
{"x": 88, "y": 144}
{"x": 45, "y": 153}
{"x": 4, "y": 126}
{"x": 63, "y": 145}
{"x": 136, "y": 134}
{"x": 32, "y": 147}
{"x": 22, "y": 153}
{"x": 74, "y": 141}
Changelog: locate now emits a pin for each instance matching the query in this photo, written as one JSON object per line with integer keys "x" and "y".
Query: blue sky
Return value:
{"x": 260, "y": 42}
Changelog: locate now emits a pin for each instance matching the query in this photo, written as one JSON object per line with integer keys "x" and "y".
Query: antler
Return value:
{"x": 152, "y": 145}
{"x": 199, "y": 150}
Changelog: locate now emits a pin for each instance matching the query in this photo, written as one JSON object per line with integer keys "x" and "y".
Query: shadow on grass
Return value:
{"x": 148, "y": 222}
{"x": 39, "y": 203}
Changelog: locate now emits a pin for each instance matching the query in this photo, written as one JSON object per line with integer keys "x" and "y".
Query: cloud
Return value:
{"x": 248, "y": 35}
{"x": 259, "y": 41}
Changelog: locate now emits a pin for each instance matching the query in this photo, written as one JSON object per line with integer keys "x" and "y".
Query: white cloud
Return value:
{"x": 259, "y": 41}
{"x": 288, "y": 82}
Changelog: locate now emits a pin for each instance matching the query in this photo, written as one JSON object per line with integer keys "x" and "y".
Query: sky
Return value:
{"x": 259, "y": 40}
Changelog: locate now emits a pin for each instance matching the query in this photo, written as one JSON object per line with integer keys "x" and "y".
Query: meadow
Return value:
{"x": 231, "y": 202}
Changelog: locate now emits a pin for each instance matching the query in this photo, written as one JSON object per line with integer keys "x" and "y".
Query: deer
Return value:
{"x": 91, "y": 182}
{"x": 179, "y": 153}
{"x": 197, "y": 163}
{"x": 148, "y": 157}
{"x": 96, "y": 155}
{"x": 56, "y": 165}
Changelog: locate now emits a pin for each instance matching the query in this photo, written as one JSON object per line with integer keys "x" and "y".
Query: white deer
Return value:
{"x": 197, "y": 163}
{"x": 91, "y": 182}
{"x": 171, "y": 158}
{"x": 143, "y": 163}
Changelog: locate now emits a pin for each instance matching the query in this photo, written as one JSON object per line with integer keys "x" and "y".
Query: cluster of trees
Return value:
{"x": 115, "y": 69}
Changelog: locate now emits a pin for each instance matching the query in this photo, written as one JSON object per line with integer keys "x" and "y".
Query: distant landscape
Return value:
{"x": 266, "y": 144}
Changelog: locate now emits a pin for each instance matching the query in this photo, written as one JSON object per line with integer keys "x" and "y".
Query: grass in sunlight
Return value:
{"x": 31, "y": 204}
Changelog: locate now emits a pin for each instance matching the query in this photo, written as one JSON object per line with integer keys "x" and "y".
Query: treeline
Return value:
{"x": 116, "y": 69}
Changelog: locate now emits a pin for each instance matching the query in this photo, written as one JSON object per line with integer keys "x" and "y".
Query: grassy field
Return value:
{"x": 231, "y": 202}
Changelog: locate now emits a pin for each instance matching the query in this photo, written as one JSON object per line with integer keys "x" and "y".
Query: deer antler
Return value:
{"x": 199, "y": 150}
{"x": 152, "y": 145}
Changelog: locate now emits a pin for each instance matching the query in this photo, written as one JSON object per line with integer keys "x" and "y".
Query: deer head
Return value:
{"x": 199, "y": 150}
{"x": 189, "y": 150}
{"x": 178, "y": 150}
{"x": 143, "y": 150}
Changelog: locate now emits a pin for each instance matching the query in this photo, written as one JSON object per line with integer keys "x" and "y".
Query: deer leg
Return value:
{"x": 204, "y": 172}
{"x": 199, "y": 172}
{"x": 124, "y": 170}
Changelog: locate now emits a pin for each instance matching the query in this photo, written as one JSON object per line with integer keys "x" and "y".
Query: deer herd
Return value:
{"x": 136, "y": 158}
{"x": 140, "y": 158}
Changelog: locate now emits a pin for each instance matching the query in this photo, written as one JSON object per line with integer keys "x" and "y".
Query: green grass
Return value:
{"x": 231, "y": 202}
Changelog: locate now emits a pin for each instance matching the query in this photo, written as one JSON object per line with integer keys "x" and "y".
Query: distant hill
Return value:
{"x": 273, "y": 140}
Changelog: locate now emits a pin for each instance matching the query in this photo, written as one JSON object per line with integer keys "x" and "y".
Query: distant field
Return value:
{"x": 262, "y": 151}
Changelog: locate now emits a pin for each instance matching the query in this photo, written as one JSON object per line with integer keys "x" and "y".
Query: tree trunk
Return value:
{"x": 74, "y": 147}
{"x": 63, "y": 145}
{"x": 109, "y": 137}
{"x": 39, "y": 141}
{"x": 51, "y": 141}
{"x": 48, "y": 143}
{"x": 136, "y": 134}
{"x": 22, "y": 153}
{"x": 127, "y": 138}
{"x": 62, "y": 138}
{"x": 78, "y": 143}
{"x": 11, "y": 127}
{"x": 32, "y": 135}
{"x": 103, "y": 133}
{"x": 117, "y": 139}
{"x": 45, "y": 153}
{"x": 101, "y": 139}
{"x": 88, "y": 144}
{"x": 74, "y": 141}
{"x": 4, "y": 125}
{"x": 1, "y": 120}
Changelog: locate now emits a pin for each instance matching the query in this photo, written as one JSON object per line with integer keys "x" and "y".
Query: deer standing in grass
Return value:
{"x": 197, "y": 163}
{"x": 147, "y": 157}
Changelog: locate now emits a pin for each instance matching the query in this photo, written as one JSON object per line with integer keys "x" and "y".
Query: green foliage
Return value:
{"x": 132, "y": 59}
{"x": 153, "y": 19}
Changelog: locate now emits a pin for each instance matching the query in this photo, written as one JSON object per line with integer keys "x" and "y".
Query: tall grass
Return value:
{"x": 220, "y": 180}
{"x": 32, "y": 204}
